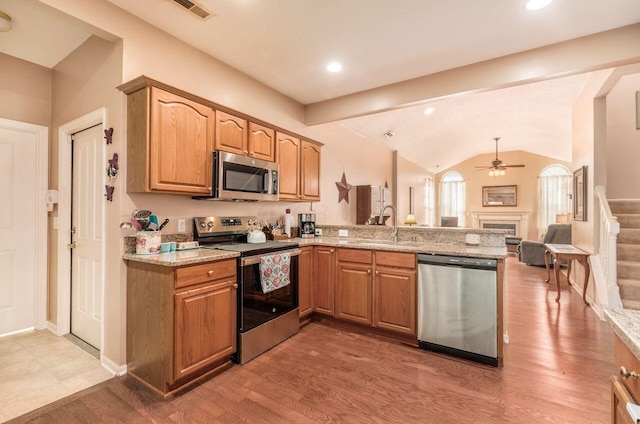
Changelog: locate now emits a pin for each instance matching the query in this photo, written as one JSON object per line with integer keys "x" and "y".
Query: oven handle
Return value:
{"x": 252, "y": 260}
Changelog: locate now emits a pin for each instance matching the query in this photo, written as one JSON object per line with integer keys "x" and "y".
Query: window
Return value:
{"x": 452, "y": 191}
{"x": 554, "y": 191}
{"x": 430, "y": 204}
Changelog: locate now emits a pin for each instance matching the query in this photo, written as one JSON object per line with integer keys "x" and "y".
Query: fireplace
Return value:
{"x": 516, "y": 222}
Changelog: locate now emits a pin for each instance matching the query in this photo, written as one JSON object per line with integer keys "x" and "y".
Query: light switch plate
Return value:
{"x": 472, "y": 239}
{"x": 343, "y": 233}
{"x": 182, "y": 226}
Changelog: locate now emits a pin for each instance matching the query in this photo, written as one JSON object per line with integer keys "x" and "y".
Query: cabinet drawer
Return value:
{"x": 206, "y": 272}
{"x": 619, "y": 399}
{"x": 395, "y": 259}
{"x": 355, "y": 255}
{"x": 622, "y": 357}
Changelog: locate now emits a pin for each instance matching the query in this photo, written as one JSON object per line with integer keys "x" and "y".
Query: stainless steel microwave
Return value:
{"x": 237, "y": 177}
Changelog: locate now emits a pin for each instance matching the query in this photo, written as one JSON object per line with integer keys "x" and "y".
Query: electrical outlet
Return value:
{"x": 318, "y": 231}
{"x": 343, "y": 233}
{"x": 182, "y": 226}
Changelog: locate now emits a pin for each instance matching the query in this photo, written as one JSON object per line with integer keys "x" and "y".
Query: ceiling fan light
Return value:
{"x": 503, "y": 172}
{"x": 492, "y": 173}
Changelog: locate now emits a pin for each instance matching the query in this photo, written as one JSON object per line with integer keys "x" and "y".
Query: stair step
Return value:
{"x": 631, "y": 304}
{"x": 629, "y": 236}
{"x": 628, "y": 270}
{"x": 628, "y": 252}
{"x": 629, "y": 289}
{"x": 628, "y": 220}
{"x": 624, "y": 206}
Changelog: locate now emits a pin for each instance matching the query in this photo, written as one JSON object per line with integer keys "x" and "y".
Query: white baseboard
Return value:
{"x": 112, "y": 367}
{"x": 53, "y": 328}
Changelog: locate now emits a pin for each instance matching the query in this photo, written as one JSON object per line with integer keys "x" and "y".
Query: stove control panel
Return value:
{"x": 212, "y": 225}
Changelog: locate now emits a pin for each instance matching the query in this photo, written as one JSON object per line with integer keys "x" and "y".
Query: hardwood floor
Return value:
{"x": 557, "y": 368}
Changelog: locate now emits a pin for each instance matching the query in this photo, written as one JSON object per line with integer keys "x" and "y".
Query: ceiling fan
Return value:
{"x": 497, "y": 166}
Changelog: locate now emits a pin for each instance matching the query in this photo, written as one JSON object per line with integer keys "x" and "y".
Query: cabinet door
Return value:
{"x": 376, "y": 201}
{"x": 288, "y": 156}
{"x": 619, "y": 399}
{"x": 395, "y": 300}
{"x": 353, "y": 292}
{"x": 205, "y": 327}
{"x": 231, "y": 134}
{"x": 310, "y": 172}
{"x": 305, "y": 281}
{"x": 262, "y": 142}
{"x": 324, "y": 267}
{"x": 180, "y": 146}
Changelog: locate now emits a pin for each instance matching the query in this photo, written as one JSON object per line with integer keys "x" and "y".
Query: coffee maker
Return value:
{"x": 307, "y": 222}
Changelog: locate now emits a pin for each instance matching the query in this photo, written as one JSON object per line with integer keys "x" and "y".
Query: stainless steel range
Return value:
{"x": 267, "y": 283}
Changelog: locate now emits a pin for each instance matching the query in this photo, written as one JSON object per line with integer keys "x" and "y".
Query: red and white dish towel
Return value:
{"x": 274, "y": 271}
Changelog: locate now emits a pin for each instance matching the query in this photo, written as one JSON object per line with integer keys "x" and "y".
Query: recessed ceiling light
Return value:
{"x": 334, "y": 67}
{"x": 428, "y": 111}
{"x": 538, "y": 4}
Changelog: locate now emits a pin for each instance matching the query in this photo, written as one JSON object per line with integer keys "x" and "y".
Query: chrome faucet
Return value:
{"x": 394, "y": 231}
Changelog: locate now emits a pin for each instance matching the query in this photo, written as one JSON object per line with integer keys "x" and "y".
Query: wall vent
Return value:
{"x": 195, "y": 8}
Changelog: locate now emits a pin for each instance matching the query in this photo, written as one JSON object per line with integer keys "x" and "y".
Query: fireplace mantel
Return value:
{"x": 520, "y": 218}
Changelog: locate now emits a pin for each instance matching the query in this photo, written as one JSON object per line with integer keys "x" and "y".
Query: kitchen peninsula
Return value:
{"x": 363, "y": 280}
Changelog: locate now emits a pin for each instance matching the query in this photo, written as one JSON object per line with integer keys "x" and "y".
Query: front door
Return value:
{"x": 18, "y": 252}
{"x": 87, "y": 235}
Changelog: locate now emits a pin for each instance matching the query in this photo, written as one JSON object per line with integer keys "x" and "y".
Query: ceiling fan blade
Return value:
{"x": 513, "y": 166}
{"x": 483, "y": 167}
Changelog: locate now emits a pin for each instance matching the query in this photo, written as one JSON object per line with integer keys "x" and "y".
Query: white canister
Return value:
{"x": 148, "y": 242}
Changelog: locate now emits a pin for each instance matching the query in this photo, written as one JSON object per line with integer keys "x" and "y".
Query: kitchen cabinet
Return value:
{"x": 395, "y": 292}
{"x": 169, "y": 143}
{"x": 324, "y": 265}
{"x": 354, "y": 285}
{"x": 377, "y": 288}
{"x": 305, "y": 281}
{"x": 370, "y": 201}
{"x": 181, "y": 322}
{"x": 299, "y": 168}
{"x": 627, "y": 388}
{"x": 245, "y": 138}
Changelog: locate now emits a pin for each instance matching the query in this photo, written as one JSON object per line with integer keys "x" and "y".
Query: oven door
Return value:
{"x": 255, "y": 307}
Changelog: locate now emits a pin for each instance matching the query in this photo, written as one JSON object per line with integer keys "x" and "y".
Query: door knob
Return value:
{"x": 72, "y": 245}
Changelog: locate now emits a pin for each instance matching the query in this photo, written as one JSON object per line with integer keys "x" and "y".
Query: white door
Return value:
{"x": 18, "y": 253}
{"x": 87, "y": 223}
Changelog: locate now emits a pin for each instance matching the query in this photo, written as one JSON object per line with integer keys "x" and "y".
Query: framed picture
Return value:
{"x": 580, "y": 194}
{"x": 500, "y": 195}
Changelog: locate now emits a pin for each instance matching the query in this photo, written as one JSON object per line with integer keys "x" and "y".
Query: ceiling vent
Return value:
{"x": 195, "y": 8}
{"x": 389, "y": 134}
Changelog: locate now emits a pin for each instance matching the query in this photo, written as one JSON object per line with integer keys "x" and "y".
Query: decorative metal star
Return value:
{"x": 343, "y": 189}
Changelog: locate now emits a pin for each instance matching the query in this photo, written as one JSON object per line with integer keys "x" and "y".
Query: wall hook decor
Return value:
{"x": 112, "y": 168}
{"x": 108, "y": 135}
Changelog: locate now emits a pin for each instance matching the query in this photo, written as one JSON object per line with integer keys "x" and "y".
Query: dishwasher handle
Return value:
{"x": 457, "y": 261}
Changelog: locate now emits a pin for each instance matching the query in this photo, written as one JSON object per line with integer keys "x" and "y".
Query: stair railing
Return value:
{"x": 607, "y": 251}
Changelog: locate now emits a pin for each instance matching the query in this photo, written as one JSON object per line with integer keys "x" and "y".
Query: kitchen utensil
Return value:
{"x": 145, "y": 224}
{"x": 125, "y": 225}
{"x": 136, "y": 224}
{"x": 256, "y": 236}
{"x": 154, "y": 220}
{"x": 165, "y": 222}
{"x": 143, "y": 214}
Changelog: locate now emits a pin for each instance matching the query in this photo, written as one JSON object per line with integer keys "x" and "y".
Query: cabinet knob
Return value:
{"x": 331, "y": 251}
{"x": 626, "y": 374}
{"x": 209, "y": 188}
{"x": 209, "y": 273}
{"x": 235, "y": 286}
{"x": 246, "y": 152}
{"x": 377, "y": 272}
{"x": 368, "y": 271}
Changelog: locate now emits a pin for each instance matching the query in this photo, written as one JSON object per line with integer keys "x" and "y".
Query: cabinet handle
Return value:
{"x": 235, "y": 286}
{"x": 209, "y": 273}
{"x": 626, "y": 374}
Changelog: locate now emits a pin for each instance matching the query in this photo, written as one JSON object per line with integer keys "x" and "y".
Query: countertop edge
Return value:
{"x": 626, "y": 324}
{"x": 181, "y": 258}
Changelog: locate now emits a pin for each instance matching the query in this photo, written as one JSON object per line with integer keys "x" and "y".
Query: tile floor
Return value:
{"x": 38, "y": 367}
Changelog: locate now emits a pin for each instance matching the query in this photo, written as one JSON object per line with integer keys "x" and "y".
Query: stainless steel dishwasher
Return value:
{"x": 457, "y": 307}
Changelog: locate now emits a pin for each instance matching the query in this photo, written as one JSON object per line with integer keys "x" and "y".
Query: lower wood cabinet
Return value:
{"x": 305, "y": 281}
{"x": 626, "y": 389}
{"x": 395, "y": 298}
{"x": 181, "y": 322}
{"x": 324, "y": 265}
{"x": 354, "y": 285}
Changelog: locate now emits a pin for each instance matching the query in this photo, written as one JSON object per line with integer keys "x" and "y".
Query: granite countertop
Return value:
{"x": 407, "y": 246}
{"x": 626, "y": 324}
{"x": 181, "y": 258}
{"x": 196, "y": 256}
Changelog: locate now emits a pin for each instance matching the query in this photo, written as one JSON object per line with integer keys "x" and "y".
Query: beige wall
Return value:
{"x": 25, "y": 90}
{"x": 623, "y": 140}
{"x": 526, "y": 180}
{"x": 411, "y": 175}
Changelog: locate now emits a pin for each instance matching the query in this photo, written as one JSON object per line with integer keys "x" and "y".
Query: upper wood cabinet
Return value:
{"x": 239, "y": 136}
{"x": 262, "y": 142}
{"x": 169, "y": 143}
{"x": 231, "y": 134}
{"x": 299, "y": 168}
